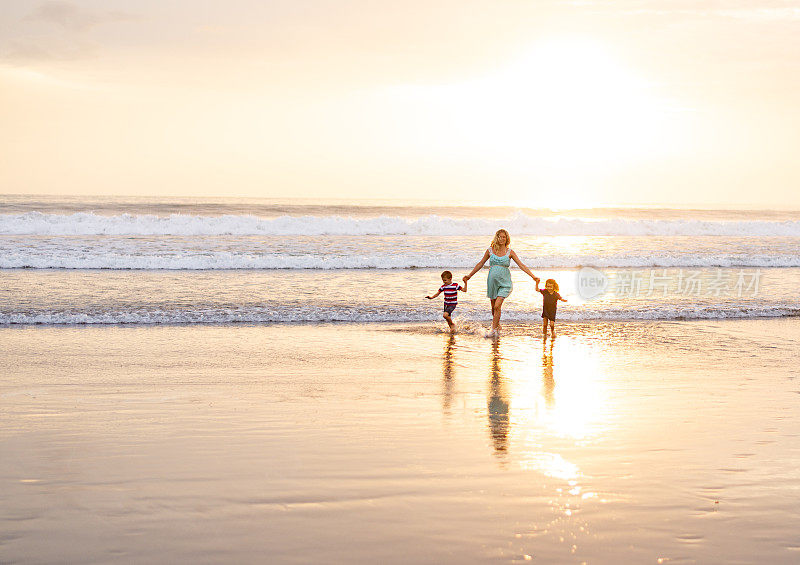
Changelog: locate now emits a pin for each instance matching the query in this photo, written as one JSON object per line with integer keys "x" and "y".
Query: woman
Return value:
{"x": 498, "y": 283}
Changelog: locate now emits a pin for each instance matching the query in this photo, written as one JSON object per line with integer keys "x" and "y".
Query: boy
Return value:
{"x": 550, "y": 298}
{"x": 450, "y": 290}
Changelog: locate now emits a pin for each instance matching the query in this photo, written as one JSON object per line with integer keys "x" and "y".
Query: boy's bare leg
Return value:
{"x": 544, "y": 326}
{"x": 552, "y": 328}
{"x": 449, "y": 321}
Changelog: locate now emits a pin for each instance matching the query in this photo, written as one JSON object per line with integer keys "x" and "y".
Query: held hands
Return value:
{"x": 465, "y": 279}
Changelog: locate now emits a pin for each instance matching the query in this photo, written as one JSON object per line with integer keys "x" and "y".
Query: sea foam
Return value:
{"x": 472, "y": 316}
{"x": 192, "y": 260}
{"x": 88, "y": 223}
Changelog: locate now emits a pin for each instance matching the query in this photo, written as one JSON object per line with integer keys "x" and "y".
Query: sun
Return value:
{"x": 566, "y": 109}
{"x": 573, "y": 99}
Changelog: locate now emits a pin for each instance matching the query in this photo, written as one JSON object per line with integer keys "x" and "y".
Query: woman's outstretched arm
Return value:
{"x": 522, "y": 266}
{"x": 480, "y": 264}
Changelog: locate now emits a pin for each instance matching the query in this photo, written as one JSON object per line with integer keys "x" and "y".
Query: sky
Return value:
{"x": 535, "y": 103}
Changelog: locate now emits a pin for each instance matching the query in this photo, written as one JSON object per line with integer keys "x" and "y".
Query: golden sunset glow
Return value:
{"x": 563, "y": 102}
{"x": 561, "y": 105}
{"x": 450, "y": 281}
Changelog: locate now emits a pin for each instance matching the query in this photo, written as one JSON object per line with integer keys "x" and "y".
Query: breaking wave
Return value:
{"x": 223, "y": 260}
{"x": 88, "y": 223}
{"x": 384, "y": 315}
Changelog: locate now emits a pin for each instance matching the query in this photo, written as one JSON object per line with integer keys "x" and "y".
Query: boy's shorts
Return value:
{"x": 449, "y": 308}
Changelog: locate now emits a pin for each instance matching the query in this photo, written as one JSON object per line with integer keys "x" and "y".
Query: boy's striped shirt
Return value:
{"x": 450, "y": 292}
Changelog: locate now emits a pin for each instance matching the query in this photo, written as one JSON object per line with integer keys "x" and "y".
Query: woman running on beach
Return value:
{"x": 498, "y": 283}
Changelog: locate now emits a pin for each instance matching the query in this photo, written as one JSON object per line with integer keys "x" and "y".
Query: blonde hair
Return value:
{"x": 555, "y": 284}
{"x": 495, "y": 246}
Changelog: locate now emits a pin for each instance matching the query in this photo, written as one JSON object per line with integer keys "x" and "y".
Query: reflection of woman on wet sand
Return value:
{"x": 498, "y": 404}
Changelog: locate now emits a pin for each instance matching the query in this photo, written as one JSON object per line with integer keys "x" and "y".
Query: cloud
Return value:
{"x": 763, "y": 14}
{"x": 74, "y": 18}
{"x": 753, "y": 11}
{"x": 68, "y": 40}
{"x": 28, "y": 51}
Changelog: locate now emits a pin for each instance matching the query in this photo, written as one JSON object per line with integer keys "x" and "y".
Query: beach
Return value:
{"x": 637, "y": 441}
{"x": 274, "y": 278}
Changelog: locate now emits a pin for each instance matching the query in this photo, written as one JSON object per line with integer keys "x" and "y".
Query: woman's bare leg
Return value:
{"x": 492, "y": 302}
{"x": 496, "y": 312}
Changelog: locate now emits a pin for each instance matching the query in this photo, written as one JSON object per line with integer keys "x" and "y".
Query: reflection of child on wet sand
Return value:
{"x": 550, "y": 298}
{"x": 450, "y": 290}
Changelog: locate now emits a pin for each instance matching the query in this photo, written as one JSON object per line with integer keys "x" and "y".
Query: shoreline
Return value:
{"x": 472, "y": 325}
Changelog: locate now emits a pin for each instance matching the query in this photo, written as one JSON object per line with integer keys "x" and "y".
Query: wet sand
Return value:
{"x": 666, "y": 442}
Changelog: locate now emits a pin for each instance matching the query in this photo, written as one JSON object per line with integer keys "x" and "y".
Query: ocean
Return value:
{"x": 117, "y": 260}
